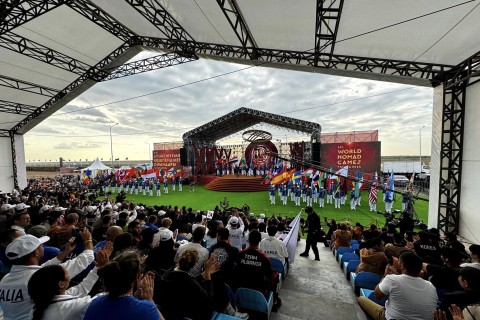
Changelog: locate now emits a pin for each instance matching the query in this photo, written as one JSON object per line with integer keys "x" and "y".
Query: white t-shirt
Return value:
{"x": 409, "y": 297}
{"x": 274, "y": 248}
{"x": 202, "y": 257}
{"x": 236, "y": 238}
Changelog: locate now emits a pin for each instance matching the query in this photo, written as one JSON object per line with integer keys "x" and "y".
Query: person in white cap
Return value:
{"x": 21, "y": 219}
{"x": 235, "y": 227}
{"x": 25, "y": 253}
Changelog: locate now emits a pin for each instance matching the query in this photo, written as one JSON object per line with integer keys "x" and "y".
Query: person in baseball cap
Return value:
{"x": 25, "y": 245}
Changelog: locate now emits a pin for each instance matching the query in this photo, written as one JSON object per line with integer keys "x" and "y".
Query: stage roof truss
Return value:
{"x": 244, "y": 118}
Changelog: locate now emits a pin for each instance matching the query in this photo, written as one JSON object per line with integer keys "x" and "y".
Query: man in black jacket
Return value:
{"x": 313, "y": 224}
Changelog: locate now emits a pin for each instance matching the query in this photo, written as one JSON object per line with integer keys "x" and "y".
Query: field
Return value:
{"x": 259, "y": 202}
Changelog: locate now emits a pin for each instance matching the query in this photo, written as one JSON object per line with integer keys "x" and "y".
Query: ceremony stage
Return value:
{"x": 233, "y": 183}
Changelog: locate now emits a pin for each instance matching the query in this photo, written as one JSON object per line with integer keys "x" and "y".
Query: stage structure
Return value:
{"x": 46, "y": 65}
{"x": 203, "y": 153}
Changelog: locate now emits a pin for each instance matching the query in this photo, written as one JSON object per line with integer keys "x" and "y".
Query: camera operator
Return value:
{"x": 405, "y": 223}
{"x": 314, "y": 228}
{"x": 120, "y": 197}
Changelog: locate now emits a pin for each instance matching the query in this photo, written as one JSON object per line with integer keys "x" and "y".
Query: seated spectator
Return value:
{"x": 25, "y": 252}
{"x": 341, "y": 237}
{"x": 451, "y": 241}
{"x": 162, "y": 257}
{"x": 134, "y": 228}
{"x": 408, "y": 296}
{"x": 181, "y": 296}
{"x": 211, "y": 236}
{"x": 398, "y": 246}
{"x": 273, "y": 247}
{"x": 121, "y": 243}
{"x": 152, "y": 223}
{"x": 111, "y": 234}
{"x": 146, "y": 243}
{"x": 122, "y": 302}
{"x": 373, "y": 258}
{"x": 357, "y": 233}
{"x": 426, "y": 249}
{"x": 469, "y": 279}
{"x": 445, "y": 276}
{"x": 475, "y": 256}
{"x": 49, "y": 252}
{"x": 196, "y": 244}
{"x": 254, "y": 270}
{"x": 51, "y": 295}
{"x": 99, "y": 233}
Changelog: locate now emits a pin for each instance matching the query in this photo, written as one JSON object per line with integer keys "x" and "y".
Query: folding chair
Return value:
{"x": 350, "y": 267}
{"x": 367, "y": 280}
{"x": 347, "y": 257}
{"x": 248, "y": 300}
{"x": 340, "y": 251}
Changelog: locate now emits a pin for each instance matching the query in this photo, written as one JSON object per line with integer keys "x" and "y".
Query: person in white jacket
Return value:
{"x": 48, "y": 290}
{"x": 25, "y": 252}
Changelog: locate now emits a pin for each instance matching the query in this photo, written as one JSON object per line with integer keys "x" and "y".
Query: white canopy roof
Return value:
{"x": 96, "y": 165}
{"x": 52, "y": 51}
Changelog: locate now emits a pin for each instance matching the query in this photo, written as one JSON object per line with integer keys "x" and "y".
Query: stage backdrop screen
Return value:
{"x": 358, "y": 156}
{"x": 166, "y": 159}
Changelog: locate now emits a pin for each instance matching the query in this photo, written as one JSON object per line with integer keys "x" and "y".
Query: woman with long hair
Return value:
{"x": 122, "y": 301}
{"x": 48, "y": 289}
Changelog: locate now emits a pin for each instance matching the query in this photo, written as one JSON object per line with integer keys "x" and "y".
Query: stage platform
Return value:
{"x": 232, "y": 183}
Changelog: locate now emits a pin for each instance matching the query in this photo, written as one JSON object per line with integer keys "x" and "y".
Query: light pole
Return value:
{"x": 111, "y": 143}
{"x": 149, "y": 153}
{"x": 421, "y": 166}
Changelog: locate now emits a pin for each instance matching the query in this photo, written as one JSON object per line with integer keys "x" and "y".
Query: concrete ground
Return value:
{"x": 317, "y": 290}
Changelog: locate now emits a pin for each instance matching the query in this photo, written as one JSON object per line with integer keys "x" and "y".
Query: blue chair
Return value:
{"x": 222, "y": 316}
{"x": 347, "y": 257}
{"x": 231, "y": 295}
{"x": 367, "y": 280}
{"x": 279, "y": 266}
{"x": 354, "y": 247}
{"x": 340, "y": 251}
{"x": 249, "y": 300}
{"x": 371, "y": 295}
{"x": 350, "y": 267}
{"x": 352, "y": 242}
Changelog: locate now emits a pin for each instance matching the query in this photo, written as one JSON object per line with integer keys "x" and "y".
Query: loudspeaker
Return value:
{"x": 316, "y": 151}
{"x": 183, "y": 157}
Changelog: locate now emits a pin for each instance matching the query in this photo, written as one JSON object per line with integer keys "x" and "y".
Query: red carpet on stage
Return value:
{"x": 231, "y": 183}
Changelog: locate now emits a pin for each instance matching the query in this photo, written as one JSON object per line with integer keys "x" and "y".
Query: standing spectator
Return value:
{"x": 196, "y": 244}
{"x": 313, "y": 224}
{"x": 273, "y": 247}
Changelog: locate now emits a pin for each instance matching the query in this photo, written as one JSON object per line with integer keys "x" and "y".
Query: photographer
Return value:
{"x": 313, "y": 224}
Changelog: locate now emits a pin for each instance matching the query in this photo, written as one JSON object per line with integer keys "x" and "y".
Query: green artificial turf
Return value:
{"x": 259, "y": 202}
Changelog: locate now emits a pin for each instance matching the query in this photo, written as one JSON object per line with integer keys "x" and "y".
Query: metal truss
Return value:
{"x": 14, "y": 158}
{"x": 326, "y": 26}
{"x": 16, "y": 13}
{"x": 465, "y": 72}
{"x": 26, "y": 86}
{"x": 144, "y": 65}
{"x": 241, "y": 119}
{"x": 95, "y": 14}
{"x": 237, "y": 22}
{"x": 401, "y": 68}
{"x": 39, "y": 52}
{"x": 154, "y": 12}
{"x": 88, "y": 75}
{"x": 16, "y": 108}
{"x": 453, "y": 116}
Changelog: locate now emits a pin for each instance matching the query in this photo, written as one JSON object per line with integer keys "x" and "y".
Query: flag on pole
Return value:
{"x": 372, "y": 197}
{"x": 358, "y": 183}
{"x": 308, "y": 172}
{"x": 390, "y": 186}
{"x": 296, "y": 177}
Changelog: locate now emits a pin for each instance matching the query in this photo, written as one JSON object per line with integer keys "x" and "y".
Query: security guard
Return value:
{"x": 313, "y": 224}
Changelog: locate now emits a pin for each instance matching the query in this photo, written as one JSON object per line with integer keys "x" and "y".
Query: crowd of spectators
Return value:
{"x": 421, "y": 271}
{"x": 64, "y": 254}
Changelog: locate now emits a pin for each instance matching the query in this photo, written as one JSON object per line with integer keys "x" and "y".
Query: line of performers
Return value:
{"x": 144, "y": 186}
{"x": 243, "y": 169}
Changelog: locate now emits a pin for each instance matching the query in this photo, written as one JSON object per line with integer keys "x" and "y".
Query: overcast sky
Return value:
{"x": 396, "y": 111}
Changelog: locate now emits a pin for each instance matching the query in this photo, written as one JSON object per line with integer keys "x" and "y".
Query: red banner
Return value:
{"x": 358, "y": 156}
{"x": 166, "y": 159}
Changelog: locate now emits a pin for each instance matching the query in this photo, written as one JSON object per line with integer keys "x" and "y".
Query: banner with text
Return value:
{"x": 358, "y": 156}
{"x": 166, "y": 159}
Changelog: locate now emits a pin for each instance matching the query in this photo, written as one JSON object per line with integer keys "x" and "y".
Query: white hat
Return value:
{"x": 24, "y": 245}
{"x": 233, "y": 220}
{"x": 21, "y": 206}
{"x": 45, "y": 208}
{"x": 91, "y": 208}
{"x": 108, "y": 206}
{"x": 262, "y": 215}
{"x": 59, "y": 209}
{"x": 165, "y": 235}
{"x": 7, "y": 207}
{"x": 137, "y": 207}
{"x": 161, "y": 213}
{"x": 115, "y": 208}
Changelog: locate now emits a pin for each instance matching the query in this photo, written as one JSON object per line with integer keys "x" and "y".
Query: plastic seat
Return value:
{"x": 231, "y": 295}
{"x": 371, "y": 295}
{"x": 279, "y": 266}
{"x": 248, "y": 300}
{"x": 367, "y": 280}
{"x": 352, "y": 242}
{"x": 355, "y": 246}
{"x": 350, "y": 267}
{"x": 340, "y": 251}
{"x": 222, "y": 316}
{"x": 347, "y": 257}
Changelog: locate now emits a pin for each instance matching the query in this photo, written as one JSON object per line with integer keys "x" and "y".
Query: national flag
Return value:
{"x": 296, "y": 177}
{"x": 410, "y": 183}
{"x": 233, "y": 160}
{"x": 391, "y": 186}
{"x": 86, "y": 180}
{"x": 372, "y": 197}
{"x": 342, "y": 172}
{"x": 280, "y": 177}
{"x": 268, "y": 177}
{"x": 315, "y": 177}
{"x": 308, "y": 172}
{"x": 358, "y": 183}
{"x": 147, "y": 174}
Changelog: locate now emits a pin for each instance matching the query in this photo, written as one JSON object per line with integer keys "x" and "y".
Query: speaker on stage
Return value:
{"x": 316, "y": 151}
{"x": 183, "y": 157}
